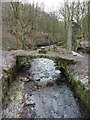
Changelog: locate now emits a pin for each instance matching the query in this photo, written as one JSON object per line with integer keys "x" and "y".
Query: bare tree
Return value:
{"x": 15, "y": 11}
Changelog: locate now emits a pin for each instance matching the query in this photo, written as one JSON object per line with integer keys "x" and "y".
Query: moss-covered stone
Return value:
{"x": 7, "y": 79}
{"x": 80, "y": 90}
{"x": 42, "y": 51}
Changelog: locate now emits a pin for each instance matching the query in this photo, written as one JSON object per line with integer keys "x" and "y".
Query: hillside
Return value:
{"x": 34, "y": 27}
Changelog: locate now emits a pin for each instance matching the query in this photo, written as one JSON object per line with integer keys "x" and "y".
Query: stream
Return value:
{"x": 41, "y": 92}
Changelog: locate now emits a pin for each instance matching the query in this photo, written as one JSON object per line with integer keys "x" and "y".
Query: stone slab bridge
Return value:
{"x": 74, "y": 65}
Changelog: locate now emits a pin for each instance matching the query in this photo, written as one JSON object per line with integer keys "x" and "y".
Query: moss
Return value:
{"x": 49, "y": 84}
{"x": 48, "y": 49}
{"x": 42, "y": 51}
{"x": 7, "y": 79}
{"x": 5, "y": 87}
{"x": 77, "y": 86}
{"x": 55, "y": 48}
{"x": 81, "y": 91}
{"x": 16, "y": 90}
{"x": 11, "y": 73}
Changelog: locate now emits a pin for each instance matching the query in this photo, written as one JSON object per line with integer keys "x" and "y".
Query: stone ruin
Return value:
{"x": 75, "y": 35}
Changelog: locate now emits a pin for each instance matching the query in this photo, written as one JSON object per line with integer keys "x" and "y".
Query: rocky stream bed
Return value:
{"x": 41, "y": 91}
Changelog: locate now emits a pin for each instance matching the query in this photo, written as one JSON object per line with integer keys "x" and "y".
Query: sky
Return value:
{"x": 49, "y": 5}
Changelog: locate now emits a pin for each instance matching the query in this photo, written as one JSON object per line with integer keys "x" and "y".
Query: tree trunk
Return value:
{"x": 17, "y": 36}
{"x": 69, "y": 39}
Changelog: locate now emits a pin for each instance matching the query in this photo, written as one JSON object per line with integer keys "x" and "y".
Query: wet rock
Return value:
{"x": 49, "y": 84}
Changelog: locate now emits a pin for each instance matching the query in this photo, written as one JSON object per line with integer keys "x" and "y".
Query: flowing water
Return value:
{"x": 42, "y": 93}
